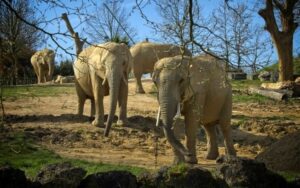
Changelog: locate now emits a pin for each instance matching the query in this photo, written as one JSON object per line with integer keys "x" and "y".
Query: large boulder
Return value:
{"x": 242, "y": 172}
{"x": 13, "y": 178}
{"x": 192, "y": 177}
{"x": 283, "y": 155}
{"x": 112, "y": 179}
{"x": 60, "y": 175}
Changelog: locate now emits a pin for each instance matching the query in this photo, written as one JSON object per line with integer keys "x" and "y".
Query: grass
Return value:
{"x": 244, "y": 84}
{"x": 251, "y": 98}
{"x": 36, "y": 91}
{"x": 20, "y": 152}
{"x": 289, "y": 176}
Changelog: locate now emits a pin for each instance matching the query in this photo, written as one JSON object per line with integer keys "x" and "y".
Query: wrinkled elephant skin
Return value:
{"x": 145, "y": 54}
{"x": 43, "y": 65}
{"x": 99, "y": 71}
{"x": 201, "y": 88}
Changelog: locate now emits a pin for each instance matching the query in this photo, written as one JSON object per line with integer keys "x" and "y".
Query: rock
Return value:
{"x": 188, "y": 177}
{"x": 112, "y": 179}
{"x": 242, "y": 172}
{"x": 297, "y": 80}
{"x": 60, "y": 175}
{"x": 13, "y": 178}
{"x": 283, "y": 155}
{"x": 264, "y": 76}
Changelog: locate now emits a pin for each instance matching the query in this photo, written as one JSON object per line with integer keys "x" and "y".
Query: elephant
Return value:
{"x": 43, "y": 64}
{"x": 145, "y": 54}
{"x": 198, "y": 89}
{"x": 103, "y": 70}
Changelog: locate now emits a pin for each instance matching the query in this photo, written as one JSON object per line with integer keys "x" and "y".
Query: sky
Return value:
{"x": 136, "y": 21}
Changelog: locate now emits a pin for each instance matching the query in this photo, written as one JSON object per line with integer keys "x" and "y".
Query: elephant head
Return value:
{"x": 48, "y": 58}
{"x": 171, "y": 77}
{"x": 112, "y": 64}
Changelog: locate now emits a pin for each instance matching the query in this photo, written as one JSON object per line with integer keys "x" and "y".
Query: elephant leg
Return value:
{"x": 98, "y": 96}
{"x": 212, "y": 144}
{"x": 226, "y": 128}
{"x": 122, "y": 101}
{"x": 191, "y": 126}
{"x": 92, "y": 107}
{"x": 178, "y": 157}
{"x": 81, "y": 98}
{"x": 139, "y": 86}
{"x": 40, "y": 75}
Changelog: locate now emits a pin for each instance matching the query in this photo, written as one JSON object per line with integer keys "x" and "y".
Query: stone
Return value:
{"x": 192, "y": 177}
{"x": 243, "y": 172}
{"x": 60, "y": 175}
{"x": 111, "y": 179}
{"x": 13, "y": 178}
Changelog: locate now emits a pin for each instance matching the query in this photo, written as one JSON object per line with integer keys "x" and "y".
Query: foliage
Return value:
{"x": 20, "y": 152}
{"x": 119, "y": 39}
{"x": 66, "y": 68}
{"x": 274, "y": 67}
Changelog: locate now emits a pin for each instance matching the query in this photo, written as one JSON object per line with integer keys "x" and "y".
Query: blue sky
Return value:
{"x": 135, "y": 20}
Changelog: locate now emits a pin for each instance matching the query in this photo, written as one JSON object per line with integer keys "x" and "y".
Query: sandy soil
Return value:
{"x": 52, "y": 122}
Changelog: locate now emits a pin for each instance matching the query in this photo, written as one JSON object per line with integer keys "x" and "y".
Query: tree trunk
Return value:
{"x": 284, "y": 47}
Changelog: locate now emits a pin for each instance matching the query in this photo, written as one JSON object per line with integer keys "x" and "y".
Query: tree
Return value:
{"x": 282, "y": 27}
{"x": 18, "y": 39}
{"x": 237, "y": 39}
{"x": 109, "y": 23}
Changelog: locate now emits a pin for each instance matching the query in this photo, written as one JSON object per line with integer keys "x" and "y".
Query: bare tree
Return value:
{"x": 282, "y": 27}
{"x": 18, "y": 40}
{"x": 110, "y": 23}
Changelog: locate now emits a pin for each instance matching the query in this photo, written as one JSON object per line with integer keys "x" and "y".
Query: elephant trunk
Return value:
{"x": 114, "y": 86}
{"x": 50, "y": 72}
{"x": 168, "y": 108}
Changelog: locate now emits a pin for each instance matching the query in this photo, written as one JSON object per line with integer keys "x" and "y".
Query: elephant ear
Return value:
{"x": 96, "y": 62}
{"x": 185, "y": 85}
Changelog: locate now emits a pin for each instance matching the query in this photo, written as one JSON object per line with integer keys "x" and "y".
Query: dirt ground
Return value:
{"x": 52, "y": 122}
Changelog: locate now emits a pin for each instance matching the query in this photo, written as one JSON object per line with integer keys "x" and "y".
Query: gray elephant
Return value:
{"x": 145, "y": 54}
{"x": 43, "y": 64}
{"x": 199, "y": 87}
{"x": 99, "y": 71}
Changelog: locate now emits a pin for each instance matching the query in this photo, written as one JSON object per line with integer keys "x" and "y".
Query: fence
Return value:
{"x": 23, "y": 81}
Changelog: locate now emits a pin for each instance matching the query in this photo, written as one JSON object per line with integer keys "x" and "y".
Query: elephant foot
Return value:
{"x": 140, "y": 91}
{"x": 191, "y": 159}
{"x": 212, "y": 155}
{"x": 97, "y": 123}
{"x": 178, "y": 159}
{"x": 121, "y": 122}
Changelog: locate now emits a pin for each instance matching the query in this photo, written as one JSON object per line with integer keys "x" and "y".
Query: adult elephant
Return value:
{"x": 145, "y": 54}
{"x": 99, "y": 71}
{"x": 198, "y": 85}
{"x": 43, "y": 64}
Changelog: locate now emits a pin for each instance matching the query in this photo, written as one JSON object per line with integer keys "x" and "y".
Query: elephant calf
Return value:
{"x": 99, "y": 71}
{"x": 200, "y": 87}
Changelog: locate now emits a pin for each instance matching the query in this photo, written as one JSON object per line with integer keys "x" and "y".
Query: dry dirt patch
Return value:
{"x": 52, "y": 122}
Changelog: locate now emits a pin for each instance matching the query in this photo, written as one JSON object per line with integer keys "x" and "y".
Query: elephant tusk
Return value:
{"x": 158, "y": 117}
{"x": 178, "y": 113}
{"x": 104, "y": 81}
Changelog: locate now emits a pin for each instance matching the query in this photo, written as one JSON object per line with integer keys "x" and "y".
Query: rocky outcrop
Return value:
{"x": 60, "y": 175}
{"x": 112, "y": 179}
{"x": 242, "y": 172}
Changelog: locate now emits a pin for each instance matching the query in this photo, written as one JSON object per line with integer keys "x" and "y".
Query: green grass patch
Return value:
{"x": 20, "y": 152}
{"x": 252, "y": 98}
{"x": 289, "y": 176}
{"x": 36, "y": 91}
{"x": 244, "y": 84}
